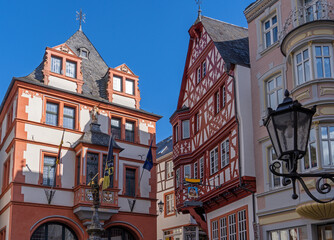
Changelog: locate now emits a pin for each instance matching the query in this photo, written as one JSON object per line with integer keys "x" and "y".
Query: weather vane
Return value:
{"x": 81, "y": 17}
{"x": 199, "y": 2}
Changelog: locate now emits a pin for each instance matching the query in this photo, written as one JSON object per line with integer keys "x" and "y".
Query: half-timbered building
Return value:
{"x": 212, "y": 131}
{"x": 74, "y": 92}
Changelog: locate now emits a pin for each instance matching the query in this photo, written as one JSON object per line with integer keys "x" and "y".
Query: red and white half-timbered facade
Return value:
{"x": 212, "y": 130}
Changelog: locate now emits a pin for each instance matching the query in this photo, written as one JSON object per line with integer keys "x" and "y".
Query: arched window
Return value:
{"x": 118, "y": 233}
{"x": 54, "y": 231}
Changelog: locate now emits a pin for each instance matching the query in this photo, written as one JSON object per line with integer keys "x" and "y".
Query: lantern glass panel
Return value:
{"x": 273, "y": 136}
{"x": 284, "y": 123}
{"x": 303, "y": 128}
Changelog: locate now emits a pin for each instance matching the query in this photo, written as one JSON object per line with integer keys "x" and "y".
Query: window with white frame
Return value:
{"x": 49, "y": 168}
{"x": 169, "y": 201}
{"x": 223, "y": 96}
{"x": 201, "y": 167}
{"x": 310, "y": 159}
{"x": 232, "y": 227}
{"x": 185, "y": 129}
{"x": 129, "y": 131}
{"x": 313, "y": 10}
{"x": 117, "y": 83}
{"x": 71, "y": 69}
{"x": 327, "y": 145}
{"x": 323, "y": 61}
{"x": 56, "y": 64}
{"x": 217, "y": 101}
{"x": 177, "y": 178}
{"x": 69, "y": 117}
{"x": 195, "y": 170}
{"x": 223, "y": 229}
{"x": 215, "y": 235}
{"x": 274, "y": 91}
{"x": 276, "y": 181}
{"x": 116, "y": 128}
{"x": 242, "y": 225}
{"x": 214, "y": 160}
{"x": 187, "y": 171}
{"x": 198, "y": 75}
{"x": 203, "y": 69}
{"x": 225, "y": 153}
{"x": 52, "y": 113}
{"x": 169, "y": 169}
{"x": 302, "y": 66}
{"x": 297, "y": 233}
{"x": 270, "y": 31}
{"x": 129, "y": 86}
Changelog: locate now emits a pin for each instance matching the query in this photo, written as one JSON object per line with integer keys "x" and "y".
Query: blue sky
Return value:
{"x": 150, "y": 36}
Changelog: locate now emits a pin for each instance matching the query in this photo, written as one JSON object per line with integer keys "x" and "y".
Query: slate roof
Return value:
{"x": 230, "y": 40}
{"x": 165, "y": 146}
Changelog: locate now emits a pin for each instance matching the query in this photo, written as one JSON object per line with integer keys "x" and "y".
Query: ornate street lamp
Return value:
{"x": 161, "y": 206}
{"x": 289, "y": 129}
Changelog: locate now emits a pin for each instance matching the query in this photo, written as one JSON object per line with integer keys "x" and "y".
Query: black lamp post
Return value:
{"x": 161, "y": 206}
{"x": 289, "y": 129}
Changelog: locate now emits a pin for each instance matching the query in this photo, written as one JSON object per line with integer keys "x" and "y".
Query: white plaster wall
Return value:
{"x": 141, "y": 206}
{"x": 231, "y": 207}
{"x": 84, "y": 119}
{"x": 144, "y": 135}
{"x": 62, "y": 83}
{"x": 34, "y": 107}
{"x": 134, "y": 152}
{"x": 5, "y": 199}
{"x": 125, "y": 101}
{"x": 4, "y": 156}
{"x": 4, "y": 221}
{"x": 37, "y": 195}
{"x": 244, "y": 105}
{"x": 103, "y": 119}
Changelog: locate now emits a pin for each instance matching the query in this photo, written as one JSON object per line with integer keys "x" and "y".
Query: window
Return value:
{"x": 49, "y": 168}
{"x": 198, "y": 76}
{"x": 195, "y": 170}
{"x": 5, "y": 176}
{"x": 303, "y": 71}
{"x": 78, "y": 170}
{"x": 187, "y": 171}
{"x": 275, "y": 181}
{"x": 92, "y": 166}
{"x": 169, "y": 204}
{"x": 71, "y": 69}
{"x": 297, "y": 233}
{"x": 223, "y": 229}
{"x": 312, "y": 10}
{"x": 242, "y": 225}
{"x": 185, "y": 129}
{"x": 69, "y": 117}
{"x": 203, "y": 69}
{"x": 116, "y": 128}
{"x": 3, "y": 233}
{"x": 169, "y": 169}
{"x": 129, "y": 86}
{"x": 196, "y": 122}
{"x": 310, "y": 159}
{"x": 327, "y": 144}
{"x": 274, "y": 91}
{"x": 223, "y": 96}
{"x": 217, "y": 100}
{"x": 53, "y": 230}
{"x": 270, "y": 31}
{"x": 129, "y": 131}
{"x": 117, "y": 83}
{"x": 130, "y": 182}
{"x": 323, "y": 61}
{"x": 215, "y": 230}
{"x": 176, "y": 133}
{"x": 83, "y": 53}
{"x": 56, "y": 64}
{"x": 201, "y": 167}
{"x": 177, "y": 178}
{"x": 225, "y": 153}
{"x": 232, "y": 234}
{"x": 214, "y": 161}
{"x": 51, "y": 114}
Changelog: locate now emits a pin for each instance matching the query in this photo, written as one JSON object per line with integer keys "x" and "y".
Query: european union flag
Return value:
{"x": 148, "y": 164}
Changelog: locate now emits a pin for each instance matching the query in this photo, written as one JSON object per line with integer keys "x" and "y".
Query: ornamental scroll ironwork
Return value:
{"x": 323, "y": 185}
{"x": 321, "y": 10}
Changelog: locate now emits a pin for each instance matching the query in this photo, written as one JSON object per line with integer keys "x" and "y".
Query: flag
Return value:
{"x": 59, "y": 149}
{"x": 148, "y": 164}
{"x": 109, "y": 167}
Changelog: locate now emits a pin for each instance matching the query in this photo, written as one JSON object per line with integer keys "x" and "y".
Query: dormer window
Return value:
{"x": 71, "y": 69}
{"x": 117, "y": 83}
{"x": 129, "y": 86}
{"x": 83, "y": 53}
{"x": 56, "y": 64}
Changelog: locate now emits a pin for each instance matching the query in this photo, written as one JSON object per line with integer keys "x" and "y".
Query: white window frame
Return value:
{"x": 215, "y": 233}
{"x": 196, "y": 170}
{"x": 312, "y": 142}
{"x": 130, "y": 86}
{"x": 322, "y": 57}
{"x": 187, "y": 171}
{"x": 223, "y": 96}
{"x": 330, "y": 141}
{"x": 185, "y": 129}
{"x": 56, "y": 64}
{"x": 71, "y": 69}
{"x": 223, "y": 228}
{"x": 271, "y": 152}
{"x": 305, "y": 76}
{"x": 225, "y": 153}
{"x": 214, "y": 160}
{"x": 276, "y": 91}
{"x": 242, "y": 225}
{"x": 232, "y": 226}
{"x": 271, "y": 30}
{"x": 198, "y": 75}
{"x": 287, "y": 231}
{"x": 217, "y": 101}
{"x": 201, "y": 167}
{"x": 315, "y": 10}
{"x": 169, "y": 202}
{"x": 169, "y": 169}
{"x": 117, "y": 83}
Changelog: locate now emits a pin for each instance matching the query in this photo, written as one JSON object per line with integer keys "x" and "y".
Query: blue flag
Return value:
{"x": 148, "y": 164}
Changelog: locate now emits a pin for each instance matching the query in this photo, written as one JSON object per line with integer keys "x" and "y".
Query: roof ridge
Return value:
{"x": 224, "y": 22}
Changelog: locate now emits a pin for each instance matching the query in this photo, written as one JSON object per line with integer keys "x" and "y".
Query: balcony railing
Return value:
{"x": 83, "y": 194}
{"x": 319, "y": 10}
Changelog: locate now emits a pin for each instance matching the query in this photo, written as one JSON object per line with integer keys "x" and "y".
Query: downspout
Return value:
{"x": 228, "y": 67}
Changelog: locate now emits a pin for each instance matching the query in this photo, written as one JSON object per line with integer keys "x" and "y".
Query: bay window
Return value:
{"x": 214, "y": 160}
{"x": 327, "y": 145}
{"x": 310, "y": 159}
{"x": 275, "y": 181}
{"x": 187, "y": 171}
{"x": 92, "y": 166}
{"x": 185, "y": 129}
{"x": 201, "y": 167}
{"x": 225, "y": 153}
{"x": 323, "y": 61}
{"x": 303, "y": 71}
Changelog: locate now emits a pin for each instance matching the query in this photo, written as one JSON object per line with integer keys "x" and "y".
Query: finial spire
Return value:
{"x": 81, "y": 17}
{"x": 199, "y": 2}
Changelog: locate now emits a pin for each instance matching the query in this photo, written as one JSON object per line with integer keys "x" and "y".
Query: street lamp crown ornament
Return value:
{"x": 289, "y": 128}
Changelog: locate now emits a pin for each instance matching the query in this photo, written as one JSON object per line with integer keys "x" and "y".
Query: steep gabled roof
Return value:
{"x": 165, "y": 146}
